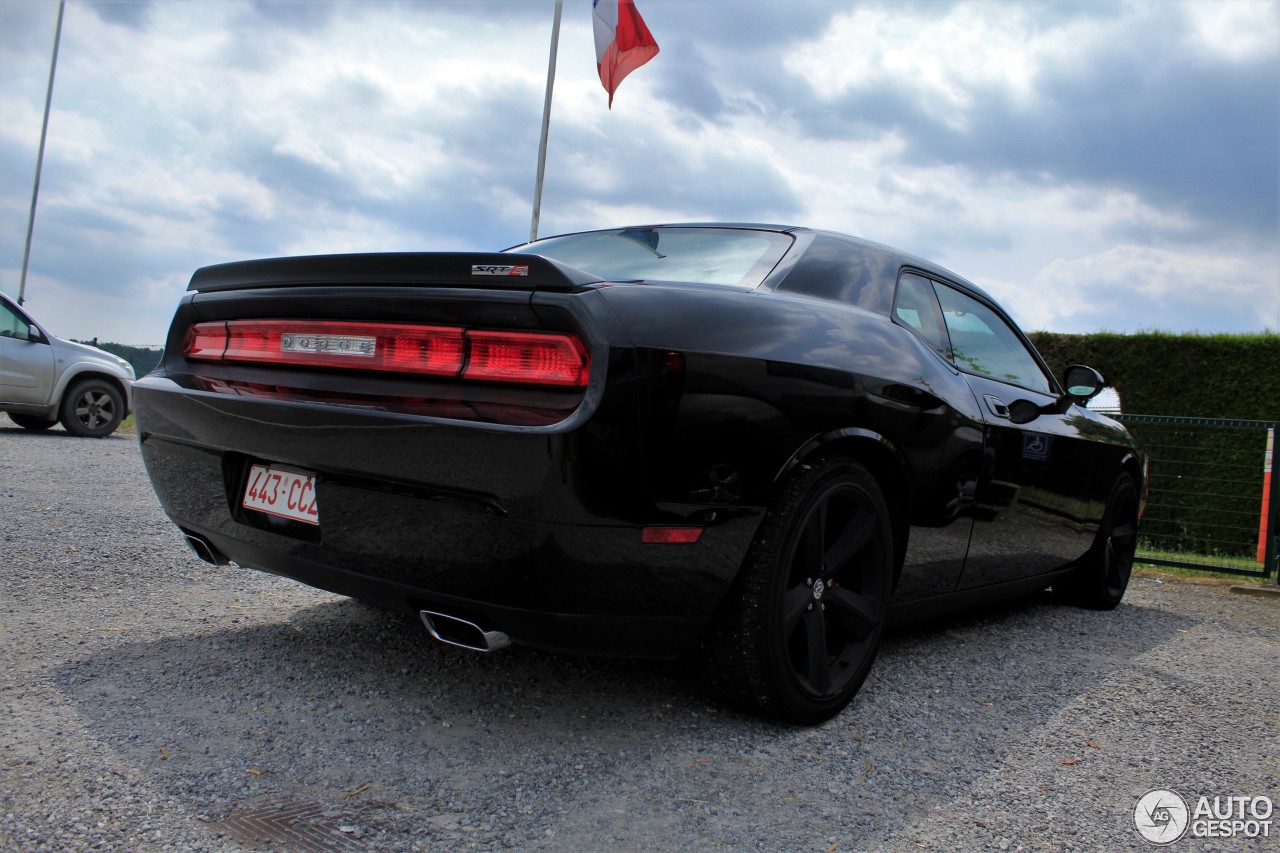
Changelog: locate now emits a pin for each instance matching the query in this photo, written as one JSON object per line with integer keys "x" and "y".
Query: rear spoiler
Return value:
{"x": 430, "y": 269}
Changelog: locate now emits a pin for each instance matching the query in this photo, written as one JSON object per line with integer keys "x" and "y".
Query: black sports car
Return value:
{"x": 758, "y": 442}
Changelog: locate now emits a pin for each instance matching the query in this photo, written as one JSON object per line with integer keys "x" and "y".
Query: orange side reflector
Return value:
{"x": 670, "y": 535}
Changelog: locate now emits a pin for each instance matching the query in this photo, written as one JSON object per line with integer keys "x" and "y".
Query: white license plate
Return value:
{"x": 289, "y": 494}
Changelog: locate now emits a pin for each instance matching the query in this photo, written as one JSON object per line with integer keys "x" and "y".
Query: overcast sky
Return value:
{"x": 1094, "y": 165}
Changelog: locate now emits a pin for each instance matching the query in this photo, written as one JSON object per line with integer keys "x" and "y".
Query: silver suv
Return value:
{"x": 44, "y": 379}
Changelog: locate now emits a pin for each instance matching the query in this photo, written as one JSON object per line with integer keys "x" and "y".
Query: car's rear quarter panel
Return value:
{"x": 767, "y": 375}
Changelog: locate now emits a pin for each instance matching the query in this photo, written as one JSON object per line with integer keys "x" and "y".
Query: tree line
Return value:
{"x": 143, "y": 359}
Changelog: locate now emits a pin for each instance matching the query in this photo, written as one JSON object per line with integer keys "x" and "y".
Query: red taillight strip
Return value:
{"x": 533, "y": 357}
{"x": 206, "y": 341}
{"x": 538, "y": 358}
{"x": 394, "y": 347}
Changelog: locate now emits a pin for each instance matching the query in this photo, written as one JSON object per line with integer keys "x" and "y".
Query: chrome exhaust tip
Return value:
{"x": 462, "y": 633}
{"x": 204, "y": 550}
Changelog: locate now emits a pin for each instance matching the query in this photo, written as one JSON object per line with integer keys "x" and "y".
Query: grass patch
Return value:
{"x": 127, "y": 425}
{"x": 1146, "y": 570}
{"x": 1206, "y": 575}
{"x": 1247, "y": 564}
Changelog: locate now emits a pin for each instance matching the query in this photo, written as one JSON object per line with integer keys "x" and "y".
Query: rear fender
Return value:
{"x": 881, "y": 457}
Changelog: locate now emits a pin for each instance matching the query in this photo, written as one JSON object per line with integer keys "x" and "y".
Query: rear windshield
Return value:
{"x": 729, "y": 256}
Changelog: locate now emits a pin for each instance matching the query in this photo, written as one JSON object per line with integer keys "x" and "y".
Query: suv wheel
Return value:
{"x": 92, "y": 408}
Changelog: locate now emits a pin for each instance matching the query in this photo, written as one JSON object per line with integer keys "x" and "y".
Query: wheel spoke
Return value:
{"x": 819, "y": 668}
{"x": 854, "y": 612}
{"x": 853, "y": 538}
{"x": 794, "y": 604}
{"x": 814, "y": 537}
{"x": 1112, "y": 567}
{"x": 1124, "y": 533}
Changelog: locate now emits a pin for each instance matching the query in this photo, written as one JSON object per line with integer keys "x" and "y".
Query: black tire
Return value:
{"x": 31, "y": 422}
{"x": 1102, "y": 577}
{"x": 92, "y": 408}
{"x": 802, "y": 625}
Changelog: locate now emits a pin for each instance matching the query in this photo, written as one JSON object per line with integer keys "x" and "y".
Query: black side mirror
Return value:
{"x": 1083, "y": 383}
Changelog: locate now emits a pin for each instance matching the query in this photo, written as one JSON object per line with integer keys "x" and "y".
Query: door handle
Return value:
{"x": 997, "y": 406}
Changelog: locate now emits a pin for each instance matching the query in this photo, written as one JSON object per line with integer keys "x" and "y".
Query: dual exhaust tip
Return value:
{"x": 462, "y": 632}
{"x": 204, "y": 549}
{"x": 453, "y": 630}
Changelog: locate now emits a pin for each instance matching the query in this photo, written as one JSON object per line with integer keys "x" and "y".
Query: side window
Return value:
{"x": 11, "y": 325}
{"x": 916, "y": 307}
{"x": 982, "y": 342}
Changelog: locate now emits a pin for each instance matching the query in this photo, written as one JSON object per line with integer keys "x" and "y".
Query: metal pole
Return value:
{"x": 546, "y": 123}
{"x": 1265, "y": 529}
{"x": 1271, "y": 555}
{"x": 44, "y": 132}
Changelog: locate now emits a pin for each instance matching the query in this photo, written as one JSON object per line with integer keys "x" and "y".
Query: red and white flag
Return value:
{"x": 623, "y": 42}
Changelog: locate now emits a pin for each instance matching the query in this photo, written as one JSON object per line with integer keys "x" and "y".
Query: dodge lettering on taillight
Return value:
{"x": 329, "y": 344}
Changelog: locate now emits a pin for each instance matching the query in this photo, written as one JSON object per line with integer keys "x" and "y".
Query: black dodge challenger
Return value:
{"x": 760, "y": 443}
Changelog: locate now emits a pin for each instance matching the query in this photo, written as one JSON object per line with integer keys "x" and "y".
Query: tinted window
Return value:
{"x": 982, "y": 342}
{"x": 916, "y": 307}
{"x": 730, "y": 256}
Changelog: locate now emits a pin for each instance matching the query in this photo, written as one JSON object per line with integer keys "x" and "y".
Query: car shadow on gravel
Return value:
{"x": 513, "y": 748}
{"x": 12, "y": 431}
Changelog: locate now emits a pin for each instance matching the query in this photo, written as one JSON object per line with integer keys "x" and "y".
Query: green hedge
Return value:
{"x": 1206, "y": 482}
{"x": 1155, "y": 373}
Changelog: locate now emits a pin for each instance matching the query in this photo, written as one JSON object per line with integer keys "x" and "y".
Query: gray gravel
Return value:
{"x": 151, "y": 703}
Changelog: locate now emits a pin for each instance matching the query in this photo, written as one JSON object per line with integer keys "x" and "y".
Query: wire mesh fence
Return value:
{"x": 1212, "y": 501}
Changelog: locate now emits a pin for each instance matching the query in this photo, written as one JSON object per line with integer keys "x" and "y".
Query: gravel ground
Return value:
{"x": 151, "y": 703}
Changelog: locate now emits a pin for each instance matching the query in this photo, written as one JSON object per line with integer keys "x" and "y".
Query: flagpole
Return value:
{"x": 546, "y": 123}
{"x": 44, "y": 132}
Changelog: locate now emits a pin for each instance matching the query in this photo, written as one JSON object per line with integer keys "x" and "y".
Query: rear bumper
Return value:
{"x": 640, "y": 635}
{"x": 532, "y": 531}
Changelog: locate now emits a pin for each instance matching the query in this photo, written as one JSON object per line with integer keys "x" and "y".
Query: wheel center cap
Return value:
{"x": 818, "y": 589}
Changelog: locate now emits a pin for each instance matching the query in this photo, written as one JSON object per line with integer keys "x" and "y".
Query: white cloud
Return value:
{"x": 1144, "y": 288}
{"x": 1237, "y": 29}
{"x": 945, "y": 61}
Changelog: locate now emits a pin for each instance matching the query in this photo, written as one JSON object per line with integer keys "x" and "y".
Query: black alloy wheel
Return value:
{"x": 92, "y": 408}
{"x": 31, "y": 422}
{"x": 802, "y": 627}
{"x": 1103, "y": 576}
